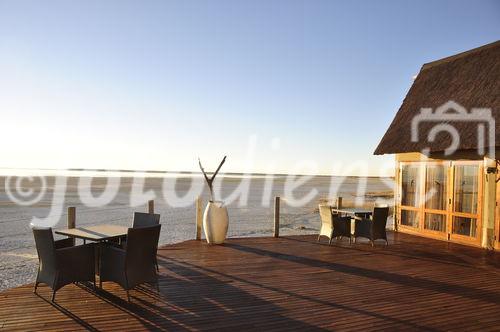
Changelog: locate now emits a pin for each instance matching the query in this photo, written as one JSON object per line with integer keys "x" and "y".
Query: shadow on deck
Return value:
{"x": 290, "y": 283}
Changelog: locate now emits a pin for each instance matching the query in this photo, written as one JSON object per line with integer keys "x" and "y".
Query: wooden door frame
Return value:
{"x": 428, "y": 232}
{"x": 405, "y": 228}
{"x": 421, "y": 210}
{"x": 497, "y": 216}
{"x": 476, "y": 241}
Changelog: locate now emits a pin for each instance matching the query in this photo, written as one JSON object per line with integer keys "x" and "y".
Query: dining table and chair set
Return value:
{"x": 128, "y": 255}
{"x": 353, "y": 223}
{"x": 124, "y": 255}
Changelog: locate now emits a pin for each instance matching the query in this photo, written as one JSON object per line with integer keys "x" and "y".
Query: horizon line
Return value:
{"x": 102, "y": 170}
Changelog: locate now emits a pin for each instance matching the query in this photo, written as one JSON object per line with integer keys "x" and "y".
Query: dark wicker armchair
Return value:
{"x": 373, "y": 228}
{"x": 135, "y": 264}
{"x": 142, "y": 219}
{"x": 342, "y": 227}
{"x": 332, "y": 225}
{"x": 61, "y": 263}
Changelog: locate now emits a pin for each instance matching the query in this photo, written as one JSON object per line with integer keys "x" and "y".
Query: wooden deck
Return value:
{"x": 290, "y": 283}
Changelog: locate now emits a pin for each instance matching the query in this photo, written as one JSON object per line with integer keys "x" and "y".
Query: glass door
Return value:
{"x": 441, "y": 199}
{"x": 466, "y": 200}
{"x": 411, "y": 192}
{"x": 497, "y": 214}
{"x": 435, "y": 207}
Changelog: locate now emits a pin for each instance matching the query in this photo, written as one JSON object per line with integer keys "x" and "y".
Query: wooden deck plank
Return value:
{"x": 289, "y": 283}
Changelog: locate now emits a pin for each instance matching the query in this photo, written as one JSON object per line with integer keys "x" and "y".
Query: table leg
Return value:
{"x": 99, "y": 262}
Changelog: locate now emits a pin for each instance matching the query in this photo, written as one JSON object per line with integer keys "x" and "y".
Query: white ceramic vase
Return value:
{"x": 215, "y": 222}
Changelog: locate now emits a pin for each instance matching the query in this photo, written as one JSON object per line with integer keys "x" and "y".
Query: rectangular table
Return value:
{"x": 353, "y": 212}
{"x": 97, "y": 233}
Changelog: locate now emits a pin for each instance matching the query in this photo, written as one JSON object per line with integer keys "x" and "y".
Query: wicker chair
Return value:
{"x": 342, "y": 227}
{"x": 332, "y": 225}
{"x": 142, "y": 219}
{"x": 60, "y": 262}
{"x": 373, "y": 228}
{"x": 135, "y": 264}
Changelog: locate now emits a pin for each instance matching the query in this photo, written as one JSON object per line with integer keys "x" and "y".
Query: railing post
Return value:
{"x": 339, "y": 203}
{"x": 276, "y": 216}
{"x": 199, "y": 217}
{"x": 151, "y": 207}
{"x": 71, "y": 217}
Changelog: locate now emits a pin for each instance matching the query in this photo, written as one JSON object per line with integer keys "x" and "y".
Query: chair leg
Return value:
{"x": 330, "y": 240}
{"x": 156, "y": 264}
{"x": 371, "y": 241}
{"x": 36, "y": 280}
{"x": 158, "y": 286}
{"x": 99, "y": 263}
{"x": 54, "y": 286}
{"x": 127, "y": 288}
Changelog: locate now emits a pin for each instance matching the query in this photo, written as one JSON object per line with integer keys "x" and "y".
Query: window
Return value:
{"x": 436, "y": 197}
{"x": 464, "y": 226}
{"x": 435, "y": 222}
{"x": 409, "y": 218}
{"x": 410, "y": 185}
{"x": 436, "y": 187}
{"x": 466, "y": 188}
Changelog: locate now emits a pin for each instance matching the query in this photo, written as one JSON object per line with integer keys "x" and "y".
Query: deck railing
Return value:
{"x": 71, "y": 216}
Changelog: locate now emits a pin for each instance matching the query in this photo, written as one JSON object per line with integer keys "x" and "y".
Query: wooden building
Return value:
{"x": 446, "y": 188}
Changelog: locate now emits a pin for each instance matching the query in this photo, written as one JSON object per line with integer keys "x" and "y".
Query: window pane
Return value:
{"x": 466, "y": 188}
{"x": 435, "y": 187}
{"x": 409, "y": 218}
{"x": 435, "y": 222}
{"x": 464, "y": 226}
{"x": 410, "y": 188}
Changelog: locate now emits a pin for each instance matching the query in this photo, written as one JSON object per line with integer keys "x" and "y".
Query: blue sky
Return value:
{"x": 155, "y": 84}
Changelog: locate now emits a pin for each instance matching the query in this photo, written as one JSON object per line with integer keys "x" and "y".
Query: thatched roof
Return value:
{"x": 470, "y": 79}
